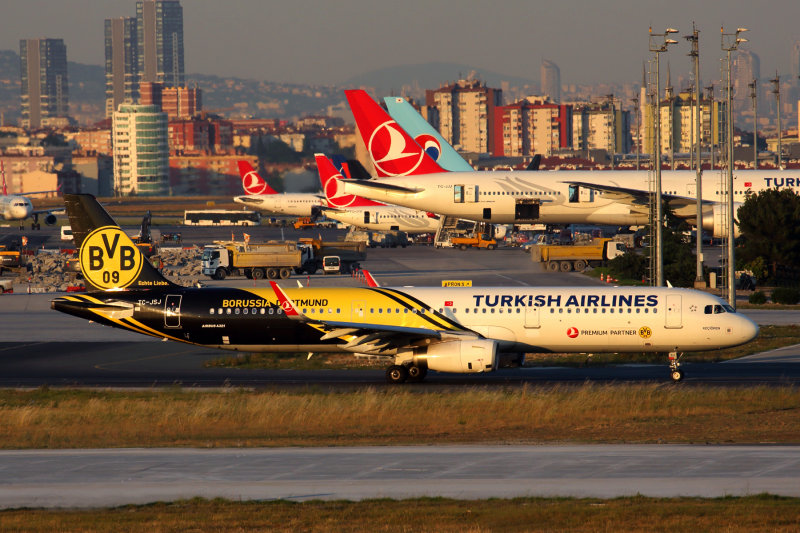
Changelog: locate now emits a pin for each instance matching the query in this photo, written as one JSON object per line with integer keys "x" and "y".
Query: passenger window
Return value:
{"x": 211, "y": 311}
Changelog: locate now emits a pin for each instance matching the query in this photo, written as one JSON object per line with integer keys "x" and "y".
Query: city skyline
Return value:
{"x": 320, "y": 43}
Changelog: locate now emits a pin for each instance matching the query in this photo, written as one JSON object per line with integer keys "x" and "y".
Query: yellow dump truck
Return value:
{"x": 568, "y": 257}
{"x": 256, "y": 261}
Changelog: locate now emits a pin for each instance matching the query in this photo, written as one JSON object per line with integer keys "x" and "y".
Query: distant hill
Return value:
{"x": 432, "y": 76}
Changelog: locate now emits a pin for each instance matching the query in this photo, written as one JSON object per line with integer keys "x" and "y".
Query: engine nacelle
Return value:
{"x": 467, "y": 356}
{"x": 50, "y": 219}
{"x": 714, "y": 220}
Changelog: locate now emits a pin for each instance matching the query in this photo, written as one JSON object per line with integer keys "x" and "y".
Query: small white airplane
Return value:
{"x": 446, "y": 329}
{"x": 409, "y": 177}
{"x": 368, "y": 214}
{"x": 19, "y": 207}
{"x": 259, "y": 195}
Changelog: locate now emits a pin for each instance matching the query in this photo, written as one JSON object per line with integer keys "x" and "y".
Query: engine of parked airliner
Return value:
{"x": 467, "y": 356}
{"x": 715, "y": 220}
{"x": 50, "y": 219}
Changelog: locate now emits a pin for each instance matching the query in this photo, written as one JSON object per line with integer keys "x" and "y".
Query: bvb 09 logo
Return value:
{"x": 109, "y": 258}
{"x": 645, "y": 332}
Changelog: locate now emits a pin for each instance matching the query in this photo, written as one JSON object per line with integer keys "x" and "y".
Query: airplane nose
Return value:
{"x": 747, "y": 329}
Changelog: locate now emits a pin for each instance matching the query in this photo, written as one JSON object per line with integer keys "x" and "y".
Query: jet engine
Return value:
{"x": 467, "y": 356}
{"x": 50, "y": 219}
{"x": 716, "y": 220}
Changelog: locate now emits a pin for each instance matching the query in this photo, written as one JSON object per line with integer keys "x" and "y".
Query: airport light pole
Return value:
{"x": 694, "y": 39}
{"x": 710, "y": 90}
{"x": 754, "y": 96}
{"x": 730, "y": 42}
{"x": 659, "y": 42}
{"x": 635, "y": 101}
{"x": 776, "y": 83}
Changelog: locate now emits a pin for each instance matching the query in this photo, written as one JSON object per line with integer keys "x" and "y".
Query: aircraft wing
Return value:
{"x": 377, "y": 184}
{"x": 637, "y": 197}
{"x": 366, "y": 337}
{"x": 48, "y": 211}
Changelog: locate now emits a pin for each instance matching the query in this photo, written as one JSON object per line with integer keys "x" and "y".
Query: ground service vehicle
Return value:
{"x": 350, "y": 253}
{"x": 331, "y": 264}
{"x": 6, "y": 285}
{"x": 221, "y": 217}
{"x": 568, "y": 257}
{"x": 304, "y": 223}
{"x": 11, "y": 258}
{"x": 256, "y": 261}
{"x": 475, "y": 241}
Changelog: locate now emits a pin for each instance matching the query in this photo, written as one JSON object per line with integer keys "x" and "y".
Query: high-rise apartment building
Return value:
{"x": 464, "y": 113}
{"x": 45, "y": 88}
{"x": 159, "y": 26}
{"x": 550, "y": 76}
{"x": 141, "y": 150}
{"x": 795, "y": 66}
{"x": 532, "y": 127}
{"x": 122, "y": 52}
{"x": 601, "y": 126}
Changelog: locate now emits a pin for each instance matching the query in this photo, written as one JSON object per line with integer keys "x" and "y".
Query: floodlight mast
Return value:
{"x": 659, "y": 44}
{"x": 694, "y": 39}
{"x": 730, "y": 42}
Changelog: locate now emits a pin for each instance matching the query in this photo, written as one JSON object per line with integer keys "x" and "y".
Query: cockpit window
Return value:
{"x": 717, "y": 309}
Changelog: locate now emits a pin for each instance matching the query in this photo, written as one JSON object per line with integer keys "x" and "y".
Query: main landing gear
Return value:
{"x": 397, "y": 374}
{"x": 674, "y": 366}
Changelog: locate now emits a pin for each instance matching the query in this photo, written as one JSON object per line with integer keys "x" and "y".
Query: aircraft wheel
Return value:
{"x": 566, "y": 266}
{"x": 552, "y": 266}
{"x": 676, "y": 375}
{"x": 258, "y": 273}
{"x": 272, "y": 273}
{"x": 396, "y": 374}
{"x": 285, "y": 273}
{"x": 416, "y": 373}
{"x": 580, "y": 265}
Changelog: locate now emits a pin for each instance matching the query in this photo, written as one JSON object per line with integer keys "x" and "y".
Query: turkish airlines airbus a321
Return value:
{"x": 458, "y": 329}
{"x": 409, "y": 177}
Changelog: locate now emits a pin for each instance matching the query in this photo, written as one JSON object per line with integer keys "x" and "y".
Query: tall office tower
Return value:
{"x": 746, "y": 68}
{"x": 795, "y": 67}
{"x": 465, "y": 112}
{"x": 141, "y": 150}
{"x": 159, "y": 27}
{"x": 45, "y": 88}
{"x": 122, "y": 80}
{"x": 550, "y": 76}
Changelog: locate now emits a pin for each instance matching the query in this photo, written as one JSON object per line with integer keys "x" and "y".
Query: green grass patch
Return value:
{"x": 752, "y": 513}
{"x": 585, "y": 413}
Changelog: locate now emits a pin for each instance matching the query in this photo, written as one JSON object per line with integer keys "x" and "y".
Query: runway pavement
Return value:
{"x": 102, "y": 478}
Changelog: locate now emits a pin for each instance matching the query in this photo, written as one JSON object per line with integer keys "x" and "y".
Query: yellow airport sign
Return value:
{"x": 456, "y": 283}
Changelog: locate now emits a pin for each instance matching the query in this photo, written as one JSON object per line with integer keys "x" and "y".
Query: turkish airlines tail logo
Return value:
{"x": 252, "y": 182}
{"x": 393, "y": 151}
{"x": 329, "y": 178}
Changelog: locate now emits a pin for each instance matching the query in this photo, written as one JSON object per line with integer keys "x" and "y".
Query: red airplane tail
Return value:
{"x": 252, "y": 182}
{"x": 393, "y": 151}
{"x": 329, "y": 178}
{"x": 3, "y": 172}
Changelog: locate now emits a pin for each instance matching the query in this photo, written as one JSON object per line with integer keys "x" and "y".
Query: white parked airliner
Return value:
{"x": 259, "y": 195}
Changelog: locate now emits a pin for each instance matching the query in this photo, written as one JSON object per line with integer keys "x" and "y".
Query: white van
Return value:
{"x": 66, "y": 233}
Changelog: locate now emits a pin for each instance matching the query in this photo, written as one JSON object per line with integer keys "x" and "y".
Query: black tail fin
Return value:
{"x": 109, "y": 258}
{"x": 534, "y": 164}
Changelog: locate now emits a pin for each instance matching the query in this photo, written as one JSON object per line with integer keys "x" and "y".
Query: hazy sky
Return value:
{"x": 326, "y": 42}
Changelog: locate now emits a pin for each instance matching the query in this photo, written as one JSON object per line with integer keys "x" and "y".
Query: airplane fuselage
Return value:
{"x": 527, "y": 319}
{"x": 291, "y": 204}
{"x": 15, "y": 207}
{"x": 548, "y": 197}
{"x": 386, "y": 218}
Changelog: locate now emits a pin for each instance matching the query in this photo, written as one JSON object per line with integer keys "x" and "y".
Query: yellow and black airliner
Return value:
{"x": 455, "y": 329}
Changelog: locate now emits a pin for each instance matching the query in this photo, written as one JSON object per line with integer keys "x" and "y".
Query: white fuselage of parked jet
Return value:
{"x": 295, "y": 204}
{"x": 386, "y": 218}
{"x": 15, "y": 207}
{"x": 552, "y": 197}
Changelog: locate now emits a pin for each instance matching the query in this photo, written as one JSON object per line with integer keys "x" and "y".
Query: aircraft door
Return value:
{"x": 458, "y": 194}
{"x": 532, "y": 317}
{"x": 674, "y": 317}
{"x": 172, "y": 311}
{"x": 358, "y": 310}
{"x": 472, "y": 193}
{"x": 366, "y": 217}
